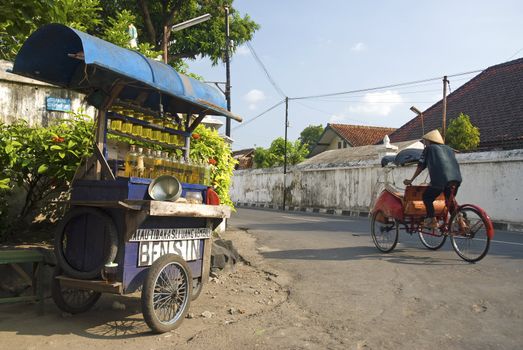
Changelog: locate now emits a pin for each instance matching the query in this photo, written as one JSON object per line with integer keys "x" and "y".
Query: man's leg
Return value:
{"x": 428, "y": 199}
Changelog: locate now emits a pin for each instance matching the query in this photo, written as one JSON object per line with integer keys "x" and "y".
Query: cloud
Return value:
{"x": 253, "y": 97}
{"x": 373, "y": 104}
{"x": 242, "y": 51}
{"x": 359, "y": 47}
{"x": 377, "y": 103}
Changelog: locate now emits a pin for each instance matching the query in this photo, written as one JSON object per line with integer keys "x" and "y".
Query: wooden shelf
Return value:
{"x": 96, "y": 285}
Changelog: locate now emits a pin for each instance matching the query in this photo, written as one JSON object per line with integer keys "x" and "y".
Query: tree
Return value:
{"x": 156, "y": 17}
{"x": 311, "y": 135}
{"x": 461, "y": 134}
{"x": 275, "y": 154}
{"x": 153, "y": 18}
{"x": 19, "y": 18}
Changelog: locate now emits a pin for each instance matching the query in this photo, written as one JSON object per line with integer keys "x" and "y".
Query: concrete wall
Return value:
{"x": 491, "y": 180}
{"x": 23, "y": 98}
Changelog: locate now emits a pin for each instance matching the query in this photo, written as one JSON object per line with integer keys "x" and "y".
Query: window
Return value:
{"x": 339, "y": 144}
{"x": 345, "y": 144}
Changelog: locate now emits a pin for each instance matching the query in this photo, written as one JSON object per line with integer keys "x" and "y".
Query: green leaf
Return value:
{"x": 42, "y": 169}
{"x": 62, "y": 155}
{"x": 56, "y": 148}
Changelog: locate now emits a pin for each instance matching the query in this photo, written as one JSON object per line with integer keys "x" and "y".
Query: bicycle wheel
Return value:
{"x": 166, "y": 293}
{"x": 384, "y": 232}
{"x": 72, "y": 300}
{"x": 432, "y": 238}
{"x": 468, "y": 232}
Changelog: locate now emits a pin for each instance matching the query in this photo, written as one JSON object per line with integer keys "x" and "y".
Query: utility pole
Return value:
{"x": 227, "y": 72}
{"x": 445, "y": 82}
{"x": 285, "y": 151}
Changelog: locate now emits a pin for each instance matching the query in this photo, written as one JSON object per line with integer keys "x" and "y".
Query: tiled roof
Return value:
{"x": 243, "y": 152}
{"x": 493, "y": 100}
{"x": 360, "y": 135}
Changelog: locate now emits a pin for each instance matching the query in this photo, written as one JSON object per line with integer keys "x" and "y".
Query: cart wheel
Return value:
{"x": 197, "y": 286}
{"x": 384, "y": 232}
{"x": 86, "y": 240}
{"x": 166, "y": 293}
{"x": 69, "y": 299}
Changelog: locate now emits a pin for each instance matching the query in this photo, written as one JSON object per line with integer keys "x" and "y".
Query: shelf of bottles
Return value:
{"x": 147, "y": 163}
{"x": 167, "y": 132}
{"x": 147, "y": 127}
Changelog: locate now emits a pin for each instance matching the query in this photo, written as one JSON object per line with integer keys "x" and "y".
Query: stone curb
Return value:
{"x": 503, "y": 226}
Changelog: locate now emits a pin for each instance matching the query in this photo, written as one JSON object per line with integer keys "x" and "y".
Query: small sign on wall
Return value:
{"x": 58, "y": 104}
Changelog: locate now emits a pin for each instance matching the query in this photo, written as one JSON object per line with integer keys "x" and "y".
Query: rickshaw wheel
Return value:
{"x": 197, "y": 286}
{"x": 469, "y": 237}
{"x": 166, "y": 293}
{"x": 72, "y": 300}
{"x": 433, "y": 239}
{"x": 105, "y": 228}
{"x": 384, "y": 234}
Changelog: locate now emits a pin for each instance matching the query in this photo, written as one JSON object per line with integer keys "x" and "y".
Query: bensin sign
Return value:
{"x": 154, "y": 243}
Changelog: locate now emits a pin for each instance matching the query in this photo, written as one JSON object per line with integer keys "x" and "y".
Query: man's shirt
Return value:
{"x": 442, "y": 164}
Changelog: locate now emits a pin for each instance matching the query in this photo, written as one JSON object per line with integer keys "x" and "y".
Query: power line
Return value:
{"x": 508, "y": 59}
{"x": 259, "y": 115}
{"x": 260, "y": 63}
{"x": 380, "y": 87}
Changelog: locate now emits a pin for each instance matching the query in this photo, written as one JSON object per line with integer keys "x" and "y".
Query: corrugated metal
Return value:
{"x": 45, "y": 56}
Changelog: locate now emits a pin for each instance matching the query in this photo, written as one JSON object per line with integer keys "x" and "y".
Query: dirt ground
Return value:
{"x": 228, "y": 314}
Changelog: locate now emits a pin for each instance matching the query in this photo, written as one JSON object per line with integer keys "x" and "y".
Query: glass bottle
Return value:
{"x": 148, "y": 162}
{"x": 157, "y": 133}
{"x": 158, "y": 164}
{"x": 116, "y": 124}
{"x": 137, "y": 128}
{"x": 127, "y": 126}
{"x": 147, "y": 132}
{"x": 207, "y": 176}
{"x": 131, "y": 161}
{"x": 140, "y": 166}
{"x": 167, "y": 164}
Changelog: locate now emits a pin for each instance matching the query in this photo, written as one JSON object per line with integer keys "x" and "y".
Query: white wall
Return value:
{"x": 490, "y": 180}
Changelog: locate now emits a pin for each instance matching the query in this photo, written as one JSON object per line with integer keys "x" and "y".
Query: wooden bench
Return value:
{"x": 13, "y": 258}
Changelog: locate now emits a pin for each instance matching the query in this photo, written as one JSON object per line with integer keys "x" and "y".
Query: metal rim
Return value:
{"x": 470, "y": 242}
{"x": 384, "y": 235}
{"x": 170, "y": 295}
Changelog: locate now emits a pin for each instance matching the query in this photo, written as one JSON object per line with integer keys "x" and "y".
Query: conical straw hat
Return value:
{"x": 434, "y": 136}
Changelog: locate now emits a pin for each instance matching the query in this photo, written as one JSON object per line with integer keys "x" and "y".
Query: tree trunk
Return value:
{"x": 151, "y": 33}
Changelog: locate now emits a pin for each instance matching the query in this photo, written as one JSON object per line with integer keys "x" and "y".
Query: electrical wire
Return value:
{"x": 381, "y": 87}
{"x": 259, "y": 115}
{"x": 262, "y": 66}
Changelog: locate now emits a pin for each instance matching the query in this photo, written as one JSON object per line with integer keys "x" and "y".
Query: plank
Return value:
{"x": 96, "y": 285}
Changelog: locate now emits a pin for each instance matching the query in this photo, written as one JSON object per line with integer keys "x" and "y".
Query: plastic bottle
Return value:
{"x": 131, "y": 161}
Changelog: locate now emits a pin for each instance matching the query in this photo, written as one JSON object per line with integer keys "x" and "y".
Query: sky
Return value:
{"x": 313, "y": 48}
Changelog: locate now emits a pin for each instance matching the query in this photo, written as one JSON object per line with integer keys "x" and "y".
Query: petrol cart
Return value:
{"x": 119, "y": 235}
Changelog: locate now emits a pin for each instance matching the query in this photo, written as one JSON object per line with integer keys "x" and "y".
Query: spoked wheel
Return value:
{"x": 432, "y": 238}
{"x": 70, "y": 299}
{"x": 197, "y": 286}
{"x": 384, "y": 232}
{"x": 166, "y": 293}
{"x": 468, "y": 232}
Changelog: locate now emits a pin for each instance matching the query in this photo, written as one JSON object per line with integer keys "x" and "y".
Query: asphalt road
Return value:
{"x": 411, "y": 298}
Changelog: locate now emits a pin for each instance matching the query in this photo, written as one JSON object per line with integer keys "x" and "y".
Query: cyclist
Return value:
{"x": 443, "y": 170}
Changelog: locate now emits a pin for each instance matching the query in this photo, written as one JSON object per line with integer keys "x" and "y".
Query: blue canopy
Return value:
{"x": 81, "y": 62}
